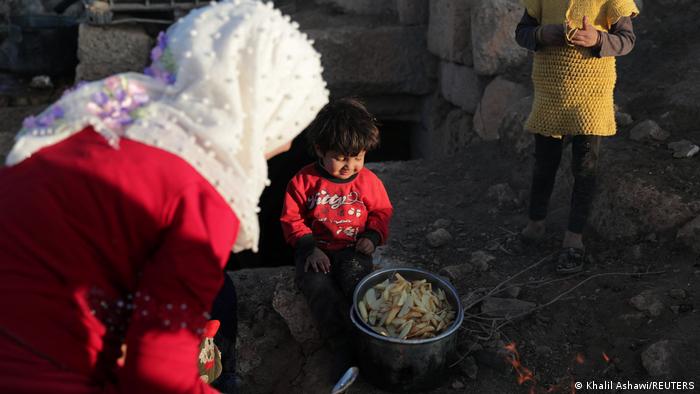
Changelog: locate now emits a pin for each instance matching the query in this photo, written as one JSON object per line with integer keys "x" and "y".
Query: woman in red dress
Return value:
{"x": 121, "y": 202}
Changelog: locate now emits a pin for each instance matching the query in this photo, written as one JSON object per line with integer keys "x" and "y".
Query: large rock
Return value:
{"x": 460, "y": 86}
{"x": 506, "y": 307}
{"x": 683, "y": 149}
{"x": 648, "y": 129}
{"x": 412, "y": 12}
{"x": 648, "y": 301}
{"x": 457, "y": 273}
{"x": 362, "y": 7}
{"x": 449, "y": 30}
{"x": 511, "y": 131}
{"x": 481, "y": 260}
{"x": 627, "y": 207}
{"x": 374, "y": 61}
{"x": 690, "y": 235}
{"x": 103, "y": 51}
{"x": 264, "y": 341}
{"x": 498, "y": 96}
{"x": 493, "y": 36}
{"x": 292, "y": 306}
{"x": 438, "y": 238}
{"x": 660, "y": 358}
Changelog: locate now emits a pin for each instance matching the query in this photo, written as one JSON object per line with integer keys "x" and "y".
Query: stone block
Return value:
{"x": 493, "y": 36}
{"x": 369, "y": 61}
{"x": 460, "y": 86}
{"x": 449, "y": 30}
{"x": 498, "y": 96}
{"x": 107, "y": 50}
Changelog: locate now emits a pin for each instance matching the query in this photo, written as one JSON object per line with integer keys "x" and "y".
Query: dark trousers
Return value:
{"x": 585, "y": 150}
{"x": 224, "y": 310}
{"x": 330, "y": 295}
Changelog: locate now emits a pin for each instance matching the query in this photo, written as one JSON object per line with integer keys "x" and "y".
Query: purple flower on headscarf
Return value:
{"x": 100, "y": 98}
{"x": 57, "y": 111}
{"x": 161, "y": 44}
{"x": 161, "y": 62}
{"x": 29, "y": 122}
{"x": 118, "y": 101}
{"x": 46, "y": 119}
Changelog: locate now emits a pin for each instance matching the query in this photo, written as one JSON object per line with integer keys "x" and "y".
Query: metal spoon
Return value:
{"x": 346, "y": 380}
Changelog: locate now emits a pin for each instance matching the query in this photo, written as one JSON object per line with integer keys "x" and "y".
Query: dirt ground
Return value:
{"x": 593, "y": 317}
{"x": 590, "y": 317}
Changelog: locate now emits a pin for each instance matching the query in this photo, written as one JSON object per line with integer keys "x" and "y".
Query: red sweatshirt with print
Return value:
{"x": 335, "y": 212}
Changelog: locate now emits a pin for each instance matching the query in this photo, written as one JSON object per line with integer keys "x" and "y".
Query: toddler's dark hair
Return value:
{"x": 344, "y": 126}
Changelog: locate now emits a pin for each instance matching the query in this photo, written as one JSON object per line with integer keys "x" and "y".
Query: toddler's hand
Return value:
{"x": 318, "y": 261}
{"x": 364, "y": 246}
{"x": 587, "y": 36}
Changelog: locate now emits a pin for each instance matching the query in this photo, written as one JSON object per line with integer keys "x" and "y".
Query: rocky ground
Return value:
{"x": 632, "y": 315}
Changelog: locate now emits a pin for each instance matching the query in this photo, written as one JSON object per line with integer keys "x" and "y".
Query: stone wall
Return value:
{"x": 106, "y": 50}
{"x": 443, "y": 65}
{"x": 474, "y": 42}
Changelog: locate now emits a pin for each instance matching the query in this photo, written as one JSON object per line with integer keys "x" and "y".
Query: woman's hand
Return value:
{"x": 365, "y": 246}
{"x": 587, "y": 36}
{"x": 318, "y": 261}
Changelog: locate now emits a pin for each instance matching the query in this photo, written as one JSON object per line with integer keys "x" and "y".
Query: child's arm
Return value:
{"x": 530, "y": 35}
{"x": 379, "y": 212}
{"x": 619, "y": 40}
{"x": 294, "y": 228}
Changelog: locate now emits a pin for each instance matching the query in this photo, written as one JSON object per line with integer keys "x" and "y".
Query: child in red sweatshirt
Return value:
{"x": 336, "y": 212}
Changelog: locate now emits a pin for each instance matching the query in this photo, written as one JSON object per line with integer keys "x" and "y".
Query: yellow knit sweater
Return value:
{"x": 573, "y": 87}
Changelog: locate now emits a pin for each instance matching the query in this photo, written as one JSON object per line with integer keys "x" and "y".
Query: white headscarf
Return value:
{"x": 229, "y": 83}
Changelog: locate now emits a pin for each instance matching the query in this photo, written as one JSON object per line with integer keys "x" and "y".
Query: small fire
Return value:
{"x": 524, "y": 374}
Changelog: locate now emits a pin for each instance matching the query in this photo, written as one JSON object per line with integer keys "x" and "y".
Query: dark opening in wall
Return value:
{"x": 273, "y": 250}
{"x": 395, "y": 142}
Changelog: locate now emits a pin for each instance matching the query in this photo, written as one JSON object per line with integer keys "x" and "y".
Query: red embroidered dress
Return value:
{"x": 336, "y": 212}
{"x": 99, "y": 246}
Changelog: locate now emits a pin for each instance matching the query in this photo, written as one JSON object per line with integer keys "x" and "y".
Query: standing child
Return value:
{"x": 336, "y": 212}
{"x": 575, "y": 44}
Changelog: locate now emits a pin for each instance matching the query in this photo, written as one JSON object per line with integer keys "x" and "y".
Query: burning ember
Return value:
{"x": 524, "y": 374}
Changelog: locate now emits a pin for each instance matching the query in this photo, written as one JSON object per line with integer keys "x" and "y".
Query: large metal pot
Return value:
{"x": 405, "y": 365}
